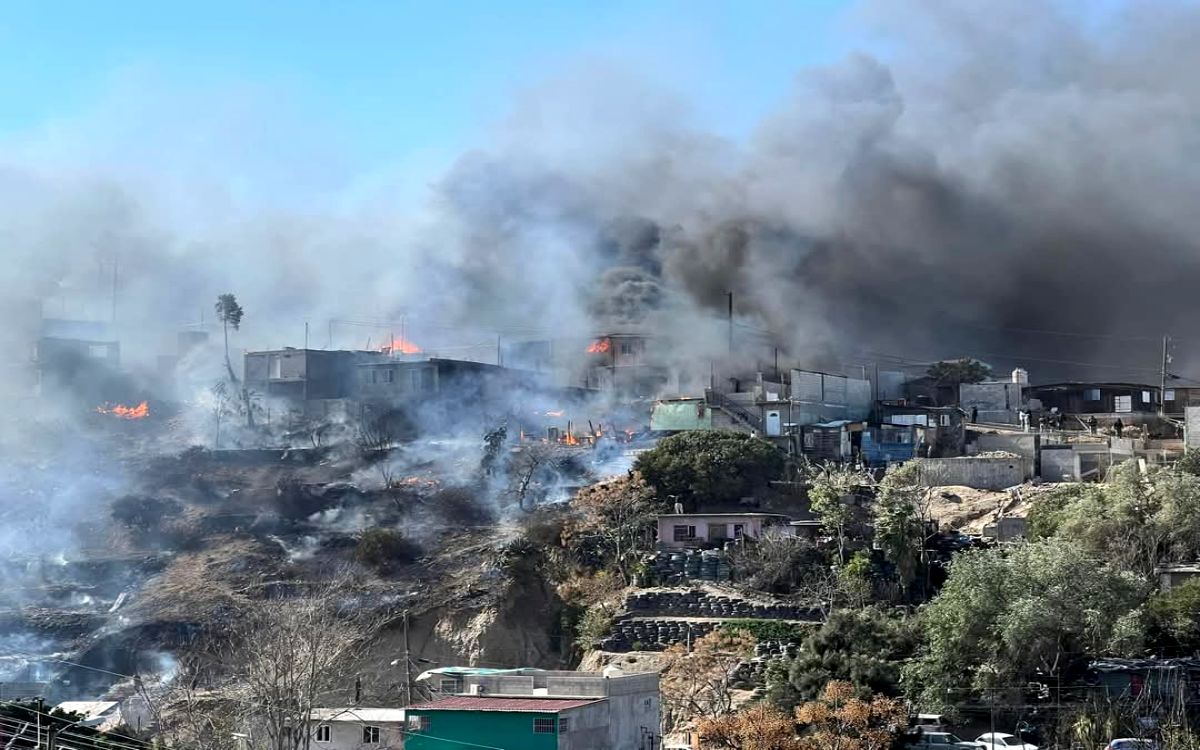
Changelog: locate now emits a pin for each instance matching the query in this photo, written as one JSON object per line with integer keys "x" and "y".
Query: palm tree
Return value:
{"x": 229, "y": 312}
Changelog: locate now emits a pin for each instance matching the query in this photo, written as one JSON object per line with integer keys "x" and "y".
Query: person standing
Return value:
{"x": 1092, "y": 424}
{"x": 1119, "y": 427}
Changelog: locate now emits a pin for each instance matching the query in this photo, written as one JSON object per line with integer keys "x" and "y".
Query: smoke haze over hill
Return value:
{"x": 991, "y": 170}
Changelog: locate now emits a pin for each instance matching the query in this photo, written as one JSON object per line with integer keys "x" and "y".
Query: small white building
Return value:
{"x": 684, "y": 530}
{"x": 357, "y": 728}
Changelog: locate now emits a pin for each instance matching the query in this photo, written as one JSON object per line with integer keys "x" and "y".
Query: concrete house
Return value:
{"x": 533, "y": 709}
{"x": 685, "y": 530}
{"x": 1116, "y": 399}
{"x": 357, "y": 728}
{"x": 305, "y": 376}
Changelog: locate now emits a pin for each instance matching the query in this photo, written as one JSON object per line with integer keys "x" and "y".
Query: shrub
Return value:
{"x": 710, "y": 466}
{"x": 385, "y": 549}
{"x": 143, "y": 514}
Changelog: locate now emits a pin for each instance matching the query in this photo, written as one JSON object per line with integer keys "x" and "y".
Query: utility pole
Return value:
{"x": 330, "y": 334}
{"x": 114, "y": 289}
{"x": 1162, "y": 387}
{"x": 730, "y": 296}
{"x": 407, "y": 665}
{"x": 306, "y": 335}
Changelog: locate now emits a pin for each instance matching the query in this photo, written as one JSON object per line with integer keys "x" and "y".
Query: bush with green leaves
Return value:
{"x": 1009, "y": 615}
{"x": 864, "y": 647}
{"x": 710, "y": 466}
{"x": 1175, "y": 619}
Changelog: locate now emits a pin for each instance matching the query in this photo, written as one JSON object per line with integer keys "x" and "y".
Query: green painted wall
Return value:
{"x": 677, "y": 416}
{"x": 468, "y": 730}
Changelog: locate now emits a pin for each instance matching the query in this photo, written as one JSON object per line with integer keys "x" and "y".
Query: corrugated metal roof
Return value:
{"x": 487, "y": 703}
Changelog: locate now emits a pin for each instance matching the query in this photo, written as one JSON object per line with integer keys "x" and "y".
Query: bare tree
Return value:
{"x": 287, "y": 653}
{"x": 699, "y": 683}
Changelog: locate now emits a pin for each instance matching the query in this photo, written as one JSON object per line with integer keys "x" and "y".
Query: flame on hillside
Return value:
{"x": 120, "y": 411}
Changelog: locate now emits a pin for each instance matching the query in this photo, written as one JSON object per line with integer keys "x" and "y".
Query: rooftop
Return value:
{"x": 484, "y": 703}
{"x": 722, "y": 515}
{"x": 358, "y": 714}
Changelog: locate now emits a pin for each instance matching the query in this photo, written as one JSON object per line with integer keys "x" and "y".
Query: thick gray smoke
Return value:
{"x": 1007, "y": 168}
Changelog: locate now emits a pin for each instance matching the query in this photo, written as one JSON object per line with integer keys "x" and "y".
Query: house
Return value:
{"x": 357, "y": 728}
{"x": 1161, "y": 680}
{"x": 395, "y": 381}
{"x": 109, "y": 716}
{"x": 301, "y": 376}
{"x": 78, "y": 356}
{"x": 945, "y": 434}
{"x": 624, "y": 362}
{"x": 831, "y": 441}
{"x": 1114, "y": 399}
{"x": 532, "y": 709}
{"x": 817, "y": 397}
{"x": 888, "y": 443}
{"x": 685, "y": 530}
{"x": 994, "y": 401}
{"x": 1176, "y": 574}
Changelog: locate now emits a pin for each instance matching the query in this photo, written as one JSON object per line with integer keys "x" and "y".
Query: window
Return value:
{"x": 418, "y": 723}
{"x": 389, "y": 376}
{"x": 684, "y": 533}
{"x": 374, "y": 376}
{"x": 449, "y": 685}
{"x": 428, "y": 379}
{"x": 98, "y": 351}
{"x": 1169, "y": 394}
{"x": 739, "y": 530}
{"x": 543, "y": 726}
{"x": 370, "y": 735}
{"x": 275, "y": 365}
{"x": 1123, "y": 404}
{"x": 1091, "y": 394}
{"x": 626, "y": 349}
{"x": 945, "y": 420}
{"x": 1146, "y": 397}
{"x": 563, "y": 725}
{"x": 324, "y": 732}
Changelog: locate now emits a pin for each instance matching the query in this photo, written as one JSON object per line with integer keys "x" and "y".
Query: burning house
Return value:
{"x": 624, "y": 362}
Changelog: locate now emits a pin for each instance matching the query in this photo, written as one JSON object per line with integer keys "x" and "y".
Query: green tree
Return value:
{"x": 710, "y": 466}
{"x": 831, "y": 493}
{"x": 1007, "y": 615}
{"x": 958, "y": 371}
{"x": 897, "y": 519}
{"x": 1134, "y": 520}
{"x": 863, "y": 647}
{"x": 1175, "y": 618}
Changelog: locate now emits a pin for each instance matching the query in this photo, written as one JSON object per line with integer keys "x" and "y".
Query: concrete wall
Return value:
{"x": 1023, "y": 445}
{"x": 997, "y": 402}
{"x": 977, "y": 472}
{"x": 1059, "y": 465}
{"x": 348, "y": 735}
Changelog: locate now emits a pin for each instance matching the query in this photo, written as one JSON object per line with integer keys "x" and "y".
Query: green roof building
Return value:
{"x": 537, "y": 710}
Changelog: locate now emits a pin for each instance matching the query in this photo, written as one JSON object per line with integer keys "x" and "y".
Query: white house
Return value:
{"x": 681, "y": 530}
{"x": 357, "y": 728}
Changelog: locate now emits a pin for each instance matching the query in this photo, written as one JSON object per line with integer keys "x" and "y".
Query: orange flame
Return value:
{"x": 400, "y": 346}
{"x": 600, "y": 346}
{"x": 141, "y": 411}
{"x": 570, "y": 439}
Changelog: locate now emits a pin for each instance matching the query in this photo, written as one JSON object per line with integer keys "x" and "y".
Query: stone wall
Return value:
{"x": 697, "y": 603}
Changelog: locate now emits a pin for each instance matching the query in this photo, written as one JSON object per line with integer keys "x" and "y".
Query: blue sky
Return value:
{"x": 392, "y": 79}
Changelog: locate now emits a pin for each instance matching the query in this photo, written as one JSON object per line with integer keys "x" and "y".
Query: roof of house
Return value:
{"x": 1188, "y": 567}
{"x": 486, "y": 703}
{"x": 1070, "y": 385}
{"x": 87, "y": 709}
{"x": 358, "y": 715}
{"x": 721, "y": 515}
